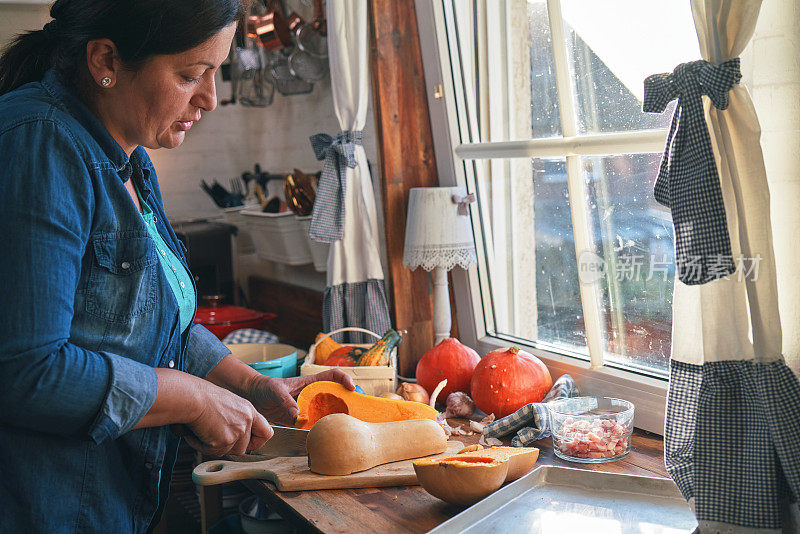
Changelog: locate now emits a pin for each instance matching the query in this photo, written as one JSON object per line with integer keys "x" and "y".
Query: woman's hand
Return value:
{"x": 226, "y": 423}
{"x": 274, "y": 397}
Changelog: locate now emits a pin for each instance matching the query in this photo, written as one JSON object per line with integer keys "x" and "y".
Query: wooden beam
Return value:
{"x": 405, "y": 147}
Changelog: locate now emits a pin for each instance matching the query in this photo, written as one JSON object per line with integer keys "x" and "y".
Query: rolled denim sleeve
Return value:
{"x": 47, "y": 383}
{"x": 204, "y": 352}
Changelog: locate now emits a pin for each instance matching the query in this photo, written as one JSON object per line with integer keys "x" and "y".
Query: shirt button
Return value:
{"x": 183, "y": 285}
{"x": 162, "y": 252}
{"x": 171, "y": 364}
{"x": 154, "y": 219}
{"x": 126, "y": 265}
{"x": 173, "y": 268}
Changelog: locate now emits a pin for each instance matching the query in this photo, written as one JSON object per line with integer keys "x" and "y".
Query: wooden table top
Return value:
{"x": 411, "y": 508}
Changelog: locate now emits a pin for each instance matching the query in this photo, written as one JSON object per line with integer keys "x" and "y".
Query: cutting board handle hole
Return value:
{"x": 215, "y": 468}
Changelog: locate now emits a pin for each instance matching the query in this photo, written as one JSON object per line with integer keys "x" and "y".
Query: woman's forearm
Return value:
{"x": 177, "y": 400}
{"x": 233, "y": 375}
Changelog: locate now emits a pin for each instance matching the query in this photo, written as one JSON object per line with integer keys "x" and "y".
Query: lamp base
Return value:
{"x": 441, "y": 306}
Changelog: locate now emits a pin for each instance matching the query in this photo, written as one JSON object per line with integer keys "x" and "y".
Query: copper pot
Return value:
{"x": 269, "y": 29}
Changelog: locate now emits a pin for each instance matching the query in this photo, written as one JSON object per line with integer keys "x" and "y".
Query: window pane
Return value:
{"x": 531, "y": 288}
{"x": 502, "y": 53}
{"x": 612, "y": 47}
{"x": 544, "y": 100}
{"x": 633, "y": 242}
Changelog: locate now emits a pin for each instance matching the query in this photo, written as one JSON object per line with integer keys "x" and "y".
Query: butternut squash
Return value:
{"x": 322, "y": 398}
{"x": 340, "y": 444}
{"x": 520, "y": 459}
{"x": 461, "y": 479}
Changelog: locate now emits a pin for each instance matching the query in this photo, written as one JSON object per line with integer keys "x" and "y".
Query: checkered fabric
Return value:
{"x": 361, "y": 304}
{"x": 250, "y": 335}
{"x": 339, "y": 153}
{"x": 532, "y": 421}
{"x": 687, "y": 181}
{"x": 732, "y": 442}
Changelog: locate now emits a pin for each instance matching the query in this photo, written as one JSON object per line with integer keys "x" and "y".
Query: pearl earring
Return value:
{"x": 105, "y": 82}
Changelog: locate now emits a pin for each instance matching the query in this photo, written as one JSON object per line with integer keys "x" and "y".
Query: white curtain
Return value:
{"x": 732, "y": 436}
{"x": 355, "y": 293}
{"x": 732, "y": 319}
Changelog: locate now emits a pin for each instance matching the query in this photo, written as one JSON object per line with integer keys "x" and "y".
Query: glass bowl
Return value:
{"x": 591, "y": 429}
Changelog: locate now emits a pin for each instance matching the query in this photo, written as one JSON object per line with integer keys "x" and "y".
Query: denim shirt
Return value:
{"x": 88, "y": 314}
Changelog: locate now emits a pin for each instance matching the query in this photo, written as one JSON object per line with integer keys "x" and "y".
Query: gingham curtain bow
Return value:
{"x": 338, "y": 153}
{"x": 687, "y": 181}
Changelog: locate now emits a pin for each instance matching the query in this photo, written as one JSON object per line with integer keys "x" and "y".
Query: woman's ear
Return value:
{"x": 103, "y": 62}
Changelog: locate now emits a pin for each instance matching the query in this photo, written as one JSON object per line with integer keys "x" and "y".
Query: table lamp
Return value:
{"x": 439, "y": 237}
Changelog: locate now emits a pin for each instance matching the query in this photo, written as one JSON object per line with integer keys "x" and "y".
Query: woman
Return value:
{"x": 97, "y": 351}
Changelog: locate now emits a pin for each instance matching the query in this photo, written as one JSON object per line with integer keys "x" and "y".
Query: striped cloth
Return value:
{"x": 687, "y": 181}
{"x": 338, "y": 153}
{"x": 250, "y": 335}
{"x": 732, "y": 444}
{"x": 360, "y": 304}
{"x": 532, "y": 421}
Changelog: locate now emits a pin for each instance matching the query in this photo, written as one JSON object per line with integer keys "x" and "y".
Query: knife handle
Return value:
{"x": 222, "y": 471}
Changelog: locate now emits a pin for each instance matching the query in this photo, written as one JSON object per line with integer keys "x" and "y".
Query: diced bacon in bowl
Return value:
{"x": 591, "y": 429}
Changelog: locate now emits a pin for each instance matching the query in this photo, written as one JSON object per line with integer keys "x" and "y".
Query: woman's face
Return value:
{"x": 156, "y": 105}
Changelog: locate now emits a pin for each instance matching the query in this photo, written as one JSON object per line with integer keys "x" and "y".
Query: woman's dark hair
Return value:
{"x": 139, "y": 29}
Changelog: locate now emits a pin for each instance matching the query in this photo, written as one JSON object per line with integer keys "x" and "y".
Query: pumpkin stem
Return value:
{"x": 514, "y": 350}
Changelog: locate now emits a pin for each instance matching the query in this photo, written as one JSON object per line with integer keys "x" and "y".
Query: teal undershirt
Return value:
{"x": 177, "y": 275}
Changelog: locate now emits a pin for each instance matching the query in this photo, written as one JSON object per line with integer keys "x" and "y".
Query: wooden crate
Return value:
{"x": 374, "y": 380}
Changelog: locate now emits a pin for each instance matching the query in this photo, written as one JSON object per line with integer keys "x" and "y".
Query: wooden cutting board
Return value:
{"x": 292, "y": 474}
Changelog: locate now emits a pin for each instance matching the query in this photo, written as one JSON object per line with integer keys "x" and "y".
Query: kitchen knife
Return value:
{"x": 286, "y": 441}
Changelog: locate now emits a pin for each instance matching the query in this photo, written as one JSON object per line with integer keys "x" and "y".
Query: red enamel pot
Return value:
{"x": 222, "y": 319}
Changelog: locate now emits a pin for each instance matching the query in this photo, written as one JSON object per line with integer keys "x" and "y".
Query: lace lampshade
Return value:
{"x": 439, "y": 237}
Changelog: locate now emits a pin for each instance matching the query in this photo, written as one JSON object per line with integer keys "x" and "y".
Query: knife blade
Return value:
{"x": 286, "y": 441}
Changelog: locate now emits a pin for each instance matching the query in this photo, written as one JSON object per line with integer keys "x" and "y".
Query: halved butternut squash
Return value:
{"x": 520, "y": 459}
{"x": 319, "y": 399}
{"x": 461, "y": 479}
{"x": 340, "y": 444}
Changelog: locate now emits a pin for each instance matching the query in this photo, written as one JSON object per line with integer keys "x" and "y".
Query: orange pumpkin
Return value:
{"x": 449, "y": 360}
{"x": 505, "y": 380}
{"x": 344, "y": 356}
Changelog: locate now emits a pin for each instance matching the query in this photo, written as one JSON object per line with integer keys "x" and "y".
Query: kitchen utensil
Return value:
{"x": 286, "y": 441}
{"x": 294, "y": 22}
{"x": 307, "y": 67}
{"x": 259, "y": 192}
{"x": 300, "y": 192}
{"x": 563, "y": 499}
{"x": 591, "y": 429}
{"x": 221, "y": 319}
{"x": 285, "y": 82}
{"x": 292, "y": 473}
{"x": 312, "y": 37}
{"x": 269, "y": 28}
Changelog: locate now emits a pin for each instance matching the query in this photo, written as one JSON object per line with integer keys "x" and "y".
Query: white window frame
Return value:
{"x": 646, "y": 392}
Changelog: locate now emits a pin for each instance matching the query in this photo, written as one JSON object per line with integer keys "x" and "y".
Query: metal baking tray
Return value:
{"x": 562, "y": 500}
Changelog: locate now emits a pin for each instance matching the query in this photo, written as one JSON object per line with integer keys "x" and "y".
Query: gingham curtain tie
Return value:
{"x": 687, "y": 181}
{"x": 338, "y": 153}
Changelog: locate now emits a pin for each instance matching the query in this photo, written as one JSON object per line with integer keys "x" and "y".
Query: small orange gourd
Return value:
{"x": 324, "y": 348}
{"x": 322, "y": 398}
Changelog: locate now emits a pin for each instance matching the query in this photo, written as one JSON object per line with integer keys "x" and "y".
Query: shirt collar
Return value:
{"x": 116, "y": 156}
